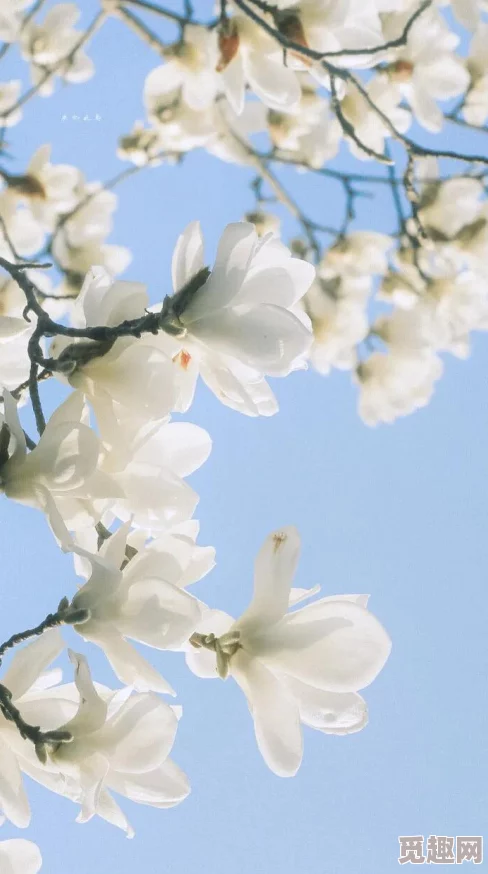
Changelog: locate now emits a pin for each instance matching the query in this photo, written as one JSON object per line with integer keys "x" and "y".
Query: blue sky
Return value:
{"x": 398, "y": 511}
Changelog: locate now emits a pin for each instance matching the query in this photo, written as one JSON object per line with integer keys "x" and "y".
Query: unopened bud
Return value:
{"x": 228, "y": 44}
{"x": 289, "y": 24}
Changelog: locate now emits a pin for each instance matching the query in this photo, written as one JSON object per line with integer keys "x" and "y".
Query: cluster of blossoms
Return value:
{"x": 109, "y": 469}
{"x": 116, "y": 498}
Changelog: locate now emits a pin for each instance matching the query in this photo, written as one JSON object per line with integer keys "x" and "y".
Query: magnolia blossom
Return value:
{"x": 190, "y": 65}
{"x": 300, "y": 666}
{"x": 122, "y": 744}
{"x": 328, "y": 26}
{"x": 53, "y": 44}
{"x": 249, "y": 55}
{"x": 9, "y": 94}
{"x": 467, "y": 12}
{"x": 395, "y": 384}
{"x": 48, "y": 189}
{"x": 35, "y": 694}
{"x": 424, "y": 76}
{"x": 178, "y": 126}
{"x": 337, "y": 311}
{"x": 309, "y": 131}
{"x": 239, "y": 322}
{"x": 475, "y": 107}
{"x": 19, "y": 857}
{"x": 150, "y": 462}
{"x": 145, "y": 602}
{"x": 370, "y": 129}
{"x": 25, "y": 233}
{"x": 60, "y": 476}
{"x": 141, "y": 146}
{"x": 11, "y": 19}
{"x": 447, "y": 207}
{"x": 111, "y": 376}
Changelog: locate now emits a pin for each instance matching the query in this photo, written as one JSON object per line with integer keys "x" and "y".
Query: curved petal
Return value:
{"x": 275, "y": 713}
{"x": 131, "y": 667}
{"x": 165, "y": 786}
{"x": 274, "y": 569}
{"x": 140, "y": 735}
{"x": 267, "y": 338}
{"x": 188, "y": 255}
{"x": 28, "y": 663}
{"x": 19, "y": 857}
{"x": 13, "y": 799}
{"x": 234, "y": 254}
{"x": 330, "y": 712}
{"x": 341, "y": 647}
{"x": 276, "y": 85}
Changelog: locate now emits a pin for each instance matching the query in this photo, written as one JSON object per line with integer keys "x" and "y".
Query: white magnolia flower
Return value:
{"x": 309, "y": 132}
{"x": 190, "y": 65}
{"x": 230, "y": 138}
{"x": 93, "y": 218}
{"x": 359, "y": 254}
{"x": 142, "y": 146}
{"x": 48, "y": 189}
{"x": 475, "y": 108}
{"x": 249, "y": 56}
{"x": 35, "y": 694}
{"x": 120, "y": 744}
{"x": 467, "y": 12}
{"x": 396, "y": 384}
{"x": 24, "y": 231}
{"x": 46, "y": 45}
{"x": 424, "y": 76}
{"x": 11, "y": 19}
{"x": 337, "y": 309}
{"x": 149, "y": 463}
{"x": 19, "y": 857}
{"x": 77, "y": 261}
{"x": 179, "y": 127}
{"x": 113, "y": 379}
{"x": 237, "y": 323}
{"x": 331, "y": 26}
{"x": 369, "y": 128}
{"x": 60, "y": 476}
{"x": 304, "y": 666}
{"x": 145, "y": 602}
{"x": 9, "y": 94}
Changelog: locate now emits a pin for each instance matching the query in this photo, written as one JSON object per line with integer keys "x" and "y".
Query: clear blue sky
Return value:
{"x": 399, "y": 512}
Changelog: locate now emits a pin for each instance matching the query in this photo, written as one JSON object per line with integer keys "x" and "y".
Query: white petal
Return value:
{"x": 234, "y": 83}
{"x": 275, "y": 713}
{"x": 163, "y": 787}
{"x": 274, "y": 570}
{"x": 330, "y": 712}
{"x": 187, "y": 256}
{"x": 234, "y": 254}
{"x": 19, "y": 857}
{"x": 131, "y": 667}
{"x": 28, "y": 663}
{"x": 140, "y": 735}
{"x": 267, "y": 338}
{"x": 338, "y": 646}
{"x": 276, "y": 85}
{"x": 13, "y": 799}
